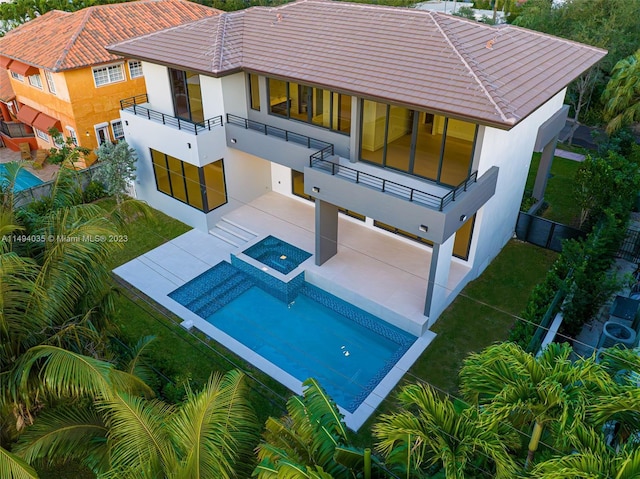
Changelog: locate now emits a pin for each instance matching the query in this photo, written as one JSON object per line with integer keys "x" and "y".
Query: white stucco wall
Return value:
{"x": 247, "y": 177}
{"x": 511, "y": 151}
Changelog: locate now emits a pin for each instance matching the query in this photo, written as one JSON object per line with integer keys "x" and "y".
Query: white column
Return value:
{"x": 437, "y": 290}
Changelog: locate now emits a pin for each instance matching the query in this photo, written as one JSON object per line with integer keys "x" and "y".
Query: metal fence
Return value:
{"x": 630, "y": 246}
{"x": 545, "y": 233}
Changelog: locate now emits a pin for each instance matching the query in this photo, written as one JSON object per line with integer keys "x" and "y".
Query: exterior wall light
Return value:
{"x": 463, "y": 217}
{"x": 315, "y": 189}
{"x": 424, "y": 228}
{"x": 233, "y": 140}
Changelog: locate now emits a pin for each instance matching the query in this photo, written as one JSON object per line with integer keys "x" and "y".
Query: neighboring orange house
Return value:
{"x": 61, "y": 76}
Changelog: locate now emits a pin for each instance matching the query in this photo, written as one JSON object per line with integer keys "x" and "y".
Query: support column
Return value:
{"x": 544, "y": 169}
{"x": 438, "y": 279}
{"x": 326, "y": 231}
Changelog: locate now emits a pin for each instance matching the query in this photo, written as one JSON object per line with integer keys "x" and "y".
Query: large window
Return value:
{"x": 312, "y": 105}
{"x": 108, "y": 74}
{"x": 254, "y": 91}
{"x": 203, "y": 188}
{"x": 187, "y": 96}
{"x": 416, "y": 142}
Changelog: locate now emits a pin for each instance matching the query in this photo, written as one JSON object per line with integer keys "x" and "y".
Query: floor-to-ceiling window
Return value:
{"x": 187, "y": 95}
{"x": 416, "y": 142}
{"x": 203, "y": 188}
{"x": 254, "y": 91}
{"x": 319, "y": 107}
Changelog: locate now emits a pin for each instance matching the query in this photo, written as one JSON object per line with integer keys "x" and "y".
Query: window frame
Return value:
{"x": 50, "y": 83}
{"x": 42, "y": 135}
{"x": 113, "y": 130}
{"x": 109, "y": 68}
{"x": 135, "y": 68}
{"x": 17, "y": 76}
{"x": 36, "y": 84}
{"x": 171, "y": 175}
{"x": 72, "y": 135}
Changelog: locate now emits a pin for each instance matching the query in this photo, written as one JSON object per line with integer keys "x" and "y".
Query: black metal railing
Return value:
{"x": 391, "y": 187}
{"x": 134, "y": 105}
{"x": 285, "y": 135}
{"x": 15, "y": 130}
{"x": 321, "y": 160}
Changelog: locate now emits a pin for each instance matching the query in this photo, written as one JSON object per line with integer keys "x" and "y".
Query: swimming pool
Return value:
{"x": 24, "y": 180}
{"x": 348, "y": 350}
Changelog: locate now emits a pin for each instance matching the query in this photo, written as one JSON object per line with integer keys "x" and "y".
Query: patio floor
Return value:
{"x": 377, "y": 272}
{"x": 46, "y": 173}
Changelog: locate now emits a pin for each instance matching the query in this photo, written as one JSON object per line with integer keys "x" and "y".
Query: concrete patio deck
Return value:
{"x": 378, "y": 272}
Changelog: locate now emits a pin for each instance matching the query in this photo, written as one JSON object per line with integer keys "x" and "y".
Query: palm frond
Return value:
{"x": 137, "y": 433}
{"x": 67, "y": 433}
{"x": 12, "y": 467}
{"x": 322, "y": 409}
{"x": 216, "y": 429}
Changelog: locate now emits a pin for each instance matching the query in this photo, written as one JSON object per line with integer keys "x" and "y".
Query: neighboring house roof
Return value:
{"x": 447, "y": 64}
{"x": 60, "y": 41}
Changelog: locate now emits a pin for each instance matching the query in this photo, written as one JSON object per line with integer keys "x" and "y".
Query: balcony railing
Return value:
{"x": 320, "y": 160}
{"x": 285, "y": 135}
{"x": 133, "y": 105}
{"x": 15, "y": 130}
{"x": 391, "y": 187}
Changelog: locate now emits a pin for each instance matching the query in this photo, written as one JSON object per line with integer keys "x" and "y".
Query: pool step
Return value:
{"x": 202, "y": 284}
{"x": 232, "y": 233}
{"x": 222, "y": 299}
{"x": 215, "y": 292}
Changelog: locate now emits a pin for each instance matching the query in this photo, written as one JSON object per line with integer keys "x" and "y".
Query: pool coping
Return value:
{"x": 157, "y": 280}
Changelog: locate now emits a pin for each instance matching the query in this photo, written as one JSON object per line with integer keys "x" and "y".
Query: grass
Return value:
{"x": 480, "y": 316}
{"x": 558, "y": 195}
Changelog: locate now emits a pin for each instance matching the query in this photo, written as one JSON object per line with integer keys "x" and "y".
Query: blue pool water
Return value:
{"x": 24, "y": 180}
{"x": 317, "y": 335}
{"x": 277, "y": 254}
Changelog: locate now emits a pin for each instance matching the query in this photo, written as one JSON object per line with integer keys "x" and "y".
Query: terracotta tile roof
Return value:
{"x": 419, "y": 58}
{"x": 60, "y": 41}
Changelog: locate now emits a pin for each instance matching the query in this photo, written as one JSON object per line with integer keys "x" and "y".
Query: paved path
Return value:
{"x": 569, "y": 155}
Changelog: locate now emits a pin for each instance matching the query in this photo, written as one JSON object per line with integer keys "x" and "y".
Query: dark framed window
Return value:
{"x": 187, "y": 95}
{"x": 254, "y": 91}
{"x": 316, "y": 106}
{"x": 203, "y": 188}
{"x": 416, "y": 142}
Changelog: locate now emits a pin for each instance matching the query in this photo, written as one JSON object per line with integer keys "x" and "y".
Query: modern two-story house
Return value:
{"x": 414, "y": 122}
{"x": 60, "y": 75}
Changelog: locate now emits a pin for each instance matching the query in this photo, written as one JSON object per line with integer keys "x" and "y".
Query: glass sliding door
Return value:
{"x": 187, "y": 95}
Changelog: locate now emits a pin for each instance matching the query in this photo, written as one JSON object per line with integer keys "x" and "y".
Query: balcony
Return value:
{"x": 15, "y": 129}
{"x": 139, "y": 106}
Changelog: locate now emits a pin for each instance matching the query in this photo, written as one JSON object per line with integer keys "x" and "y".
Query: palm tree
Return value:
{"x": 430, "y": 431}
{"x": 548, "y": 390}
{"x": 303, "y": 443}
{"x": 622, "y": 94}
{"x": 592, "y": 459}
{"x": 121, "y": 435}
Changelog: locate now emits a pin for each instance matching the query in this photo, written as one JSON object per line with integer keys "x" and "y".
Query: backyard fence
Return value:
{"x": 630, "y": 246}
{"x": 29, "y": 195}
{"x": 545, "y": 233}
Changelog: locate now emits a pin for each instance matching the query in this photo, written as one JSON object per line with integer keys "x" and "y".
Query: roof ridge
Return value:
{"x": 72, "y": 40}
{"x": 482, "y": 78}
{"x": 219, "y": 47}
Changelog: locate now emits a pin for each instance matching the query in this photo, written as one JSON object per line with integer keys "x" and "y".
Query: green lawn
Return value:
{"x": 479, "y": 316}
{"x": 559, "y": 193}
